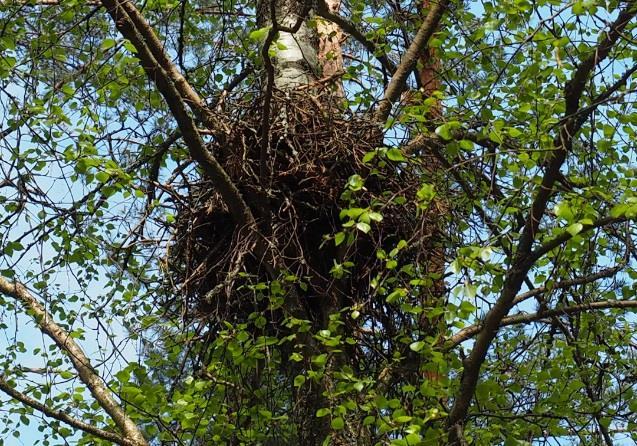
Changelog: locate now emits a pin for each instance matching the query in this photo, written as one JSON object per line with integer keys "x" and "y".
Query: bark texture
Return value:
{"x": 330, "y": 36}
{"x": 295, "y": 60}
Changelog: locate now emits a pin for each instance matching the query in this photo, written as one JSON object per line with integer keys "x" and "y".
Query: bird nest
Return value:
{"x": 293, "y": 177}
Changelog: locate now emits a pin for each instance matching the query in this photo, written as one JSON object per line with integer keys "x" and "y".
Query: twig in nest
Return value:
{"x": 323, "y": 81}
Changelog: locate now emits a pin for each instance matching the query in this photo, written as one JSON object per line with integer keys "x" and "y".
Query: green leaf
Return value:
{"x": 619, "y": 210}
{"x": 402, "y": 419}
{"x": 466, "y": 145}
{"x": 355, "y": 183}
{"x": 426, "y": 193}
{"x": 369, "y": 156}
{"x": 564, "y": 210}
{"x": 513, "y": 132}
{"x": 102, "y": 177}
{"x": 260, "y": 34}
{"x": 575, "y": 229}
{"x": 363, "y": 227}
{"x": 578, "y": 8}
{"x": 470, "y": 290}
{"x": 337, "y": 423}
{"x": 395, "y": 155}
{"x": 445, "y": 131}
{"x": 108, "y": 44}
{"x": 396, "y": 294}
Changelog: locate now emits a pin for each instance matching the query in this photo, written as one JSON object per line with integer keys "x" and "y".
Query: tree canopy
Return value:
{"x": 318, "y": 222}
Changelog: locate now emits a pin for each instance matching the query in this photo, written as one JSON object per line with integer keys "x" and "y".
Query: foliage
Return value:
{"x": 245, "y": 265}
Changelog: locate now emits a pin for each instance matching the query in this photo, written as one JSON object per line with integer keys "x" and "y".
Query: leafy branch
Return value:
{"x": 131, "y": 435}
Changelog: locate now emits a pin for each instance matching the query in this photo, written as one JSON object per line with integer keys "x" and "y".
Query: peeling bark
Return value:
{"x": 330, "y": 55}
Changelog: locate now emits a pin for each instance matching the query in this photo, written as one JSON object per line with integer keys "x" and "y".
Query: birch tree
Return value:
{"x": 331, "y": 222}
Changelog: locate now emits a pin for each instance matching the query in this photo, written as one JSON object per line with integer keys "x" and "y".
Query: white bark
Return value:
{"x": 295, "y": 58}
{"x": 293, "y": 65}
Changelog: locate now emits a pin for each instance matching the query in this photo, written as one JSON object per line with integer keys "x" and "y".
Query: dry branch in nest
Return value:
{"x": 293, "y": 183}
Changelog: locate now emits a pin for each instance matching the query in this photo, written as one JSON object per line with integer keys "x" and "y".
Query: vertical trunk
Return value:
{"x": 429, "y": 76}
{"x": 330, "y": 54}
{"x": 312, "y": 55}
{"x": 295, "y": 58}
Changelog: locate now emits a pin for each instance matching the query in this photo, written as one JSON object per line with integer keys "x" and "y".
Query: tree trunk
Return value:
{"x": 330, "y": 53}
{"x": 298, "y": 60}
{"x": 295, "y": 60}
{"x": 429, "y": 77}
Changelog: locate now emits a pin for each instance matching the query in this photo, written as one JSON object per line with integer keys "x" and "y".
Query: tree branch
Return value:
{"x": 605, "y": 273}
{"x": 523, "y": 318}
{"x": 156, "y": 49}
{"x": 566, "y": 236}
{"x": 397, "y": 83}
{"x": 349, "y": 28}
{"x": 78, "y": 358}
{"x": 63, "y": 416}
{"x": 585, "y": 113}
{"x": 563, "y": 143}
{"x": 172, "y": 92}
{"x": 522, "y": 261}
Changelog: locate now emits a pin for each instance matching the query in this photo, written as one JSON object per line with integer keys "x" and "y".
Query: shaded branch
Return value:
{"x": 78, "y": 358}
{"x": 172, "y": 92}
{"x": 156, "y": 49}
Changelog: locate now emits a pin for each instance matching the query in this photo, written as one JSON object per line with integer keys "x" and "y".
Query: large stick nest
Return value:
{"x": 312, "y": 149}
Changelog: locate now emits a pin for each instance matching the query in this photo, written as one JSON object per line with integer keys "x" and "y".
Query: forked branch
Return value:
{"x": 414, "y": 52}
{"x": 131, "y": 434}
{"x": 173, "y": 90}
{"x": 523, "y": 260}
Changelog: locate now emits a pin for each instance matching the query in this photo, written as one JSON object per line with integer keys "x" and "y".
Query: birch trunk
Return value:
{"x": 300, "y": 59}
{"x": 295, "y": 58}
